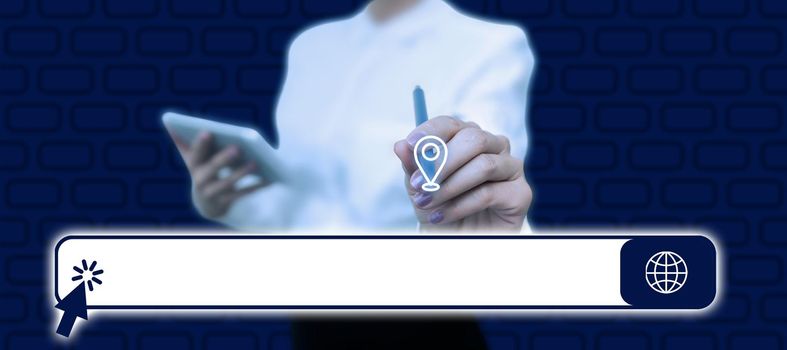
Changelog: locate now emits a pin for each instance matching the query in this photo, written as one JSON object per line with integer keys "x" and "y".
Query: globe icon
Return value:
{"x": 666, "y": 272}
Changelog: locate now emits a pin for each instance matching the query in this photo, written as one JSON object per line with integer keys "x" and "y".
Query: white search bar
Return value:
{"x": 340, "y": 272}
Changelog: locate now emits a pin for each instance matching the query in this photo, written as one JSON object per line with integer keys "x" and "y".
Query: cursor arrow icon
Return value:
{"x": 73, "y": 305}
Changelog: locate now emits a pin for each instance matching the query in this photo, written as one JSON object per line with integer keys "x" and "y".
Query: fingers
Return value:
{"x": 217, "y": 195}
{"x": 466, "y": 145}
{"x": 182, "y": 145}
{"x": 207, "y": 171}
{"x": 200, "y": 150}
{"x": 509, "y": 199}
{"x": 227, "y": 184}
{"x": 229, "y": 198}
{"x": 482, "y": 185}
{"x": 481, "y": 169}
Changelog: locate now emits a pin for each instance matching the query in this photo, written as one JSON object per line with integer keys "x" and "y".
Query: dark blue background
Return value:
{"x": 644, "y": 113}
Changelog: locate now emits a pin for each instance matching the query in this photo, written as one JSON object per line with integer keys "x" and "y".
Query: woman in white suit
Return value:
{"x": 346, "y": 103}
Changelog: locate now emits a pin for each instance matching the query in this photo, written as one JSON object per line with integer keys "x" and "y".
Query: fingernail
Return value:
{"x": 417, "y": 181}
{"x": 414, "y": 137}
{"x": 436, "y": 217}
{"x": 423, "y": 199}
{"x": 204, "y": 135}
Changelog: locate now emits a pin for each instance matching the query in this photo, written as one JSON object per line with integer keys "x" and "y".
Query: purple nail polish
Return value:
{"x": 417, "y": 181}
{"x": 423, "y": 199}
{"x": 436, "y": 217}
{"x": 414, "y": 137}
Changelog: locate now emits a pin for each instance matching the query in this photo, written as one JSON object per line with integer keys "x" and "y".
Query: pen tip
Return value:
{"x": 418, "y": 87}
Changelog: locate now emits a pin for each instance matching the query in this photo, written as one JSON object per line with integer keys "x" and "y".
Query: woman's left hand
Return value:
{"x": 482, "y": 187}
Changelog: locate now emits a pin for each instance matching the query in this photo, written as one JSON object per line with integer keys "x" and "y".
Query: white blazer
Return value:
{"x": 347, "y": 98}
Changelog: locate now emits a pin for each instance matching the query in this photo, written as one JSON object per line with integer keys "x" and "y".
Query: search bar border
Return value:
{"x": 558, "y": 235}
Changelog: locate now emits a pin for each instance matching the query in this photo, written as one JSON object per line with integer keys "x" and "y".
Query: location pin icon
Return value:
{"x": 428, "y": 152}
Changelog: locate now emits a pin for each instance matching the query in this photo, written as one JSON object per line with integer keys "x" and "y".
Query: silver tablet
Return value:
{"x": 251, "y": 144}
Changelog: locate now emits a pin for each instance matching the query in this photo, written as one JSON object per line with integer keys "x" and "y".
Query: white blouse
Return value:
{"x": 347, "y": 98}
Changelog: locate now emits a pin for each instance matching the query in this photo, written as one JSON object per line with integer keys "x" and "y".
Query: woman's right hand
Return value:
{"x": 214, "y": 195}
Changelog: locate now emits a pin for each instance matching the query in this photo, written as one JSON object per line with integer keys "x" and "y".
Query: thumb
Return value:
{"x": 405, "y": 154}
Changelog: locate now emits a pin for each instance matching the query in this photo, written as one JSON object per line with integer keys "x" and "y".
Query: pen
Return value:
{"x": 419, "y": 103}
